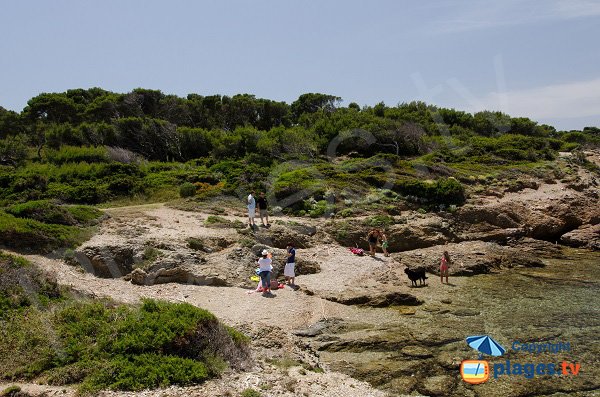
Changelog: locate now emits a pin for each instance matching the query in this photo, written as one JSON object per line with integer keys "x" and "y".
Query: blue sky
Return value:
{"x": 538, "y": 59}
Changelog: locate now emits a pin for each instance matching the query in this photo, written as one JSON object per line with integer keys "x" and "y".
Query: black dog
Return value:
{"x": 414, "y": 275}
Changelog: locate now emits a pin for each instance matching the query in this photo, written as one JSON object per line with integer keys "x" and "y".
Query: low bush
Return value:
{"x": 441, "y": 191}
{"x": 187, "y": 190}
{"x": 47, "y": 211}
{"x": 84, "y": 214}
{"x": 11, "y": 391}
{"x": 36, "y": 236}
{"x": 44, "y": 211}
{"x": 250, "y": 393}
{"x": 75, "y": 154}
{"x": 380, "y": 221}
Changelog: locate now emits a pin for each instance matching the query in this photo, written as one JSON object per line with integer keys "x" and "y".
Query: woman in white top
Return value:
{"x": 264, "y": 265}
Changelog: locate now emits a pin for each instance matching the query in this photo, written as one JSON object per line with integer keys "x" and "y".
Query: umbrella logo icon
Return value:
{"x": 485, "y": 345}
{"x": 478, "y": 371}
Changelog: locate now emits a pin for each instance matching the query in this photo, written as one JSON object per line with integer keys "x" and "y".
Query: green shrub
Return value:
{"x": 149, "y": 370}
{"x": 320, "y": 208}
{"x": 84, "y": 214}
{"x": 37, "y": 236}
{"x": 380, "y": 221}
{"x": 74, "y": 154}
{"x": 10, "y": 391}
{"x": 103, "y": 345}
{"x": 187, "y": 190}
{"x": 346, "y": 212}
{"x": 442, "y": 191}
{"x": 47, "y": 211}
{"x": 44, "y": 211}
{"x": 88, "y": 192}
{"x": 250, "y": 393}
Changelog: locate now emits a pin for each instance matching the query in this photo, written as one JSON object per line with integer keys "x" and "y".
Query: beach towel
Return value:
{"x": 357, "y": 251}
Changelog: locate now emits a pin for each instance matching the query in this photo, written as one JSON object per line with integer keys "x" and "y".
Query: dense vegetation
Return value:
{"x": 313, "y": 156}
{"x": 46, "y": 334}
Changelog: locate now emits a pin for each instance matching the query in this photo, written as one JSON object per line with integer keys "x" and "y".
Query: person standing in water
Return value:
{"x": 251, "y": 209}
{"x": 444, "y": 267}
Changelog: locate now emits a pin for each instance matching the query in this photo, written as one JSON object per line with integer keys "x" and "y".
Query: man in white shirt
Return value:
{"x": 251, "y": 209}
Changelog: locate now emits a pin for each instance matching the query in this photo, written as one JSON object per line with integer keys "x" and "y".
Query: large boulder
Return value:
{"x": 405, "y": 237}
{"x": 539, "y": 248}
{"x": 374, "y": 297}
{"x": 587, "y": 236}
{"x": 279, "y": 236}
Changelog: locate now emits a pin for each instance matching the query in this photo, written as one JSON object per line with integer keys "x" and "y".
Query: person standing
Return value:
{"x": 251, "y": 209}
{"x": 262, "y": 209}
{"x": 444, "y": 267}
{"x": 288, "y": 271}
{"x": 384, "y": 243}
{"x": 265, "y": 268}
{"x": 373, "y": 238}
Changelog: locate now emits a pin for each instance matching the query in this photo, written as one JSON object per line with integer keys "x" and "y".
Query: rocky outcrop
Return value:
{"x": 180, "y": 274}
{"x": 539, "y": 248}
{"x": 440, "y": 385}
{"x": 545, "y": 219}
{"x": 419, "y": 232}
{"x": 208, "y": 244}
{"x": 279, "y": 236}
{"x": 586, "y": 236}
{"x": 468, "y": 258}
{"x": 110, "y": 261}
{"x": 171, "y": 264}
{"x": 374, "y": 297}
